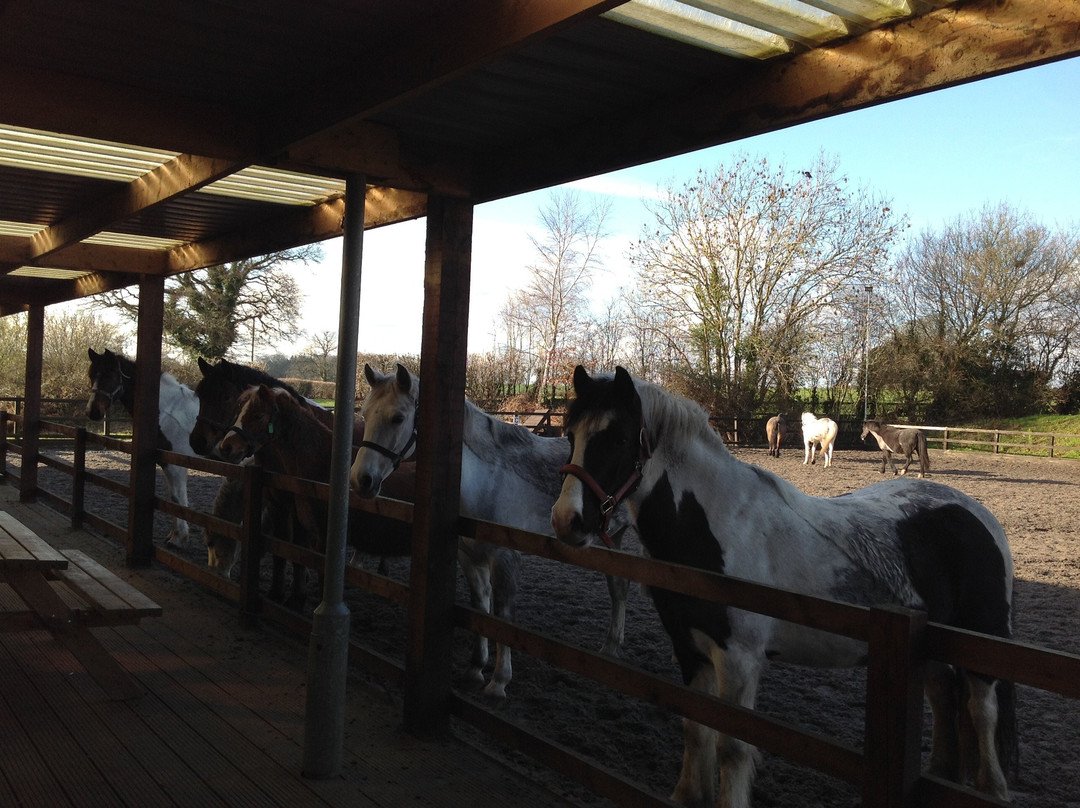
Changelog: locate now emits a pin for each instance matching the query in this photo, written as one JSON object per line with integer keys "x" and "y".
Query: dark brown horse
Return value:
{"x": 217, "y": 393}
{"x": 895, "y": 440}
{"x": 284, "y": 437}
{"x": 776, "y": 430}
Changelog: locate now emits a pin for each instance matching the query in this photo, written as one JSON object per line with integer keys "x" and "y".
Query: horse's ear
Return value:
{"x": 581, "y": 379}
{"x": 92, "y": 354}
{"x": 369, "y": 374}
{"x": 204, "y": 366}
{"x": 404, "y": 379}
{"x": 624, "y": 384}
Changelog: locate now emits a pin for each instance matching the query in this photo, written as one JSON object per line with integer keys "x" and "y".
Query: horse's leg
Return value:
{"x": 280, "y": 514}
{"x": 475, "y": 564}
{"x": 696, "y": 779}
{"x": 941, "y": 692}
{"x": 733, "y": 676}
{"x": 309, "y": 537}
{"x": 618, "y": 590}
{"x": 982, "y": 707}
{"x": 176, "y": 487}
{"x": 908, "y": 450}
{"x": 806, "y": 452}
{"x": 507, "y": 569}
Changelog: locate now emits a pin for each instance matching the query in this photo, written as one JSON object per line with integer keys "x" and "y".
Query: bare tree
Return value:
{"x": 554, "y": 304}
{"x": 323, "y": 351}
{"x": 994, "y": 298}
{"x": 209, "y": 312}
{"x": 741, "y": 263}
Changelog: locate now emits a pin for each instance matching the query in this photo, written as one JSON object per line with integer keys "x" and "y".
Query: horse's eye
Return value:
{"x": 398, "y": 420}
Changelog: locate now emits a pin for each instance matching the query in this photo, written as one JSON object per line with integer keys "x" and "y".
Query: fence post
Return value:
{"x": 78, "y": 478}
{"x": 896, "y": 666}
{"x": 945, "y": 439}
{"x": 251, "y": 547}
{"x": 997, "y": 440}
{"x": 3, "y": 444}
{"x": 1051, "y": 453}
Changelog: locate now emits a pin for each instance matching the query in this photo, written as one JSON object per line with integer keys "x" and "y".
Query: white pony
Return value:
{"x": 817, "y": 432}
{"x": 112, "y": 378}
{"x": 508, "y": 475}
{"x": 907, "y": 542}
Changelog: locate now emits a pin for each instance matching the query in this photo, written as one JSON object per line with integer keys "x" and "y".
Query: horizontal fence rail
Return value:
{"x": 900, "y": 642}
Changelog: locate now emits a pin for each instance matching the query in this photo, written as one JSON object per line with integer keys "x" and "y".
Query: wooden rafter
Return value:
{"x": 949, "y": 46}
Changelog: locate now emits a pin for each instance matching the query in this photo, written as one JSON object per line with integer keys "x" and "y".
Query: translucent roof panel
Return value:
{"x": 699, "y": 28}
{"x": 99, "y": 159}
{"x": 755, "y": 29}
{"x": 787, "y": 18}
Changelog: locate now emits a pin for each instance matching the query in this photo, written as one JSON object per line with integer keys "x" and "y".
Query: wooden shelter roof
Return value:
{"x": 156, "y": 138}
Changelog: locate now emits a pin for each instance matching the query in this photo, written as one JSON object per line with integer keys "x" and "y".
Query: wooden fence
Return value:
{"x": 900, "y": 641}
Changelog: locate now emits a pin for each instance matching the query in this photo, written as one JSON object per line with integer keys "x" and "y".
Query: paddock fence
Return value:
{"x": 901, "y": 642}
{"x": 745, "y": 432}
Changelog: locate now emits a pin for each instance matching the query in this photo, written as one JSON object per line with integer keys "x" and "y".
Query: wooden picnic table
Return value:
{"x": 67, "y": 593}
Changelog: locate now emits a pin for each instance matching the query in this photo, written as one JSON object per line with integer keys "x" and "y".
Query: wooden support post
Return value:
{"x": 35, "y": 341}
{"x": 895, "y": 674}
{"x": 3, "y": 444}
{"x": 78, "y": 479}
{"x": 438, "y": 471}
{"x": 144, "y": 433}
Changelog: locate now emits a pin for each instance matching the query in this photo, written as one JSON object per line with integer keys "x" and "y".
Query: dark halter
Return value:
{"x": 395, "y": 457}
{"x": 609, "y": 502}
{"x": 117, "y": 391}
{"x": 253, "y": 444}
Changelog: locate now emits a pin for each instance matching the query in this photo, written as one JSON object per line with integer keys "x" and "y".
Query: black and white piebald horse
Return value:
{"x": 112, "y": 379}
{"x": 904, "y": 541}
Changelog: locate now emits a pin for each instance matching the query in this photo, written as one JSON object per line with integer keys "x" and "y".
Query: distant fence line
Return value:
{"x": 746, "y": 432}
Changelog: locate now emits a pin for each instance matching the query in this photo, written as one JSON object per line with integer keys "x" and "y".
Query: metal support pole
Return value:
{"x": 866, "y": 358}
{"x": 328, "y": 652}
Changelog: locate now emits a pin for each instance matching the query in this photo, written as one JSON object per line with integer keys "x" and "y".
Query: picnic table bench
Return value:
{"x": 67, "y": 593}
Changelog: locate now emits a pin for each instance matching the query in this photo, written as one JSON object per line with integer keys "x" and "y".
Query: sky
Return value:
{"x": 938, "y": 156}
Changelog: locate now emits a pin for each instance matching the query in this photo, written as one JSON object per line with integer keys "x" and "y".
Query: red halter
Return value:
{"x": 609, "y": 502}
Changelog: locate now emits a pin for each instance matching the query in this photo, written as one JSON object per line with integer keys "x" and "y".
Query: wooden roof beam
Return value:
{"x": 379, "y": 74}
{"x": 311, "y": 224}
{"x": 950, "y": 46}
{"x": 53, "y": 101}
{"x": 181, "y": 175}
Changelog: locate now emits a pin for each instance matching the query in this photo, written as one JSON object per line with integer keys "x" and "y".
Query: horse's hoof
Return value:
{"x": 495, "y": 690}
{"x": 475, "y": 676}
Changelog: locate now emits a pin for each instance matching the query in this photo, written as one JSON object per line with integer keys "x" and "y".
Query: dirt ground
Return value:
{"x": 1037, "y": 501}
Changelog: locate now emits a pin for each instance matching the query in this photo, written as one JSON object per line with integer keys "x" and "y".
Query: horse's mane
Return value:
{"x": 675, "y": 417}
{"x": 244, "y": 376}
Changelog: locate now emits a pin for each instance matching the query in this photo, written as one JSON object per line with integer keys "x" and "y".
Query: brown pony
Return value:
{"x": 775, "y": 430}
{"x": 894, "y": 440}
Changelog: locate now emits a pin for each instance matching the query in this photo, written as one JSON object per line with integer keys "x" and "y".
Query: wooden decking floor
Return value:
{"x": 221, "y": 722}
